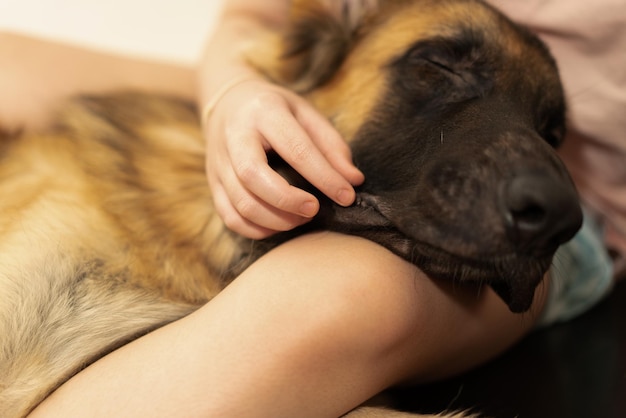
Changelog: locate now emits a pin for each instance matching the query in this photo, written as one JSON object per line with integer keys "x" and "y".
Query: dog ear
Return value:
{"x": 317, "y": 38}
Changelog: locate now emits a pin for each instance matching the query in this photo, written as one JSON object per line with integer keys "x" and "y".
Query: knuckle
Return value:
{"x": 233, "y": 221}
{"x": 328, "y": 187}
{"x": 246, "y": 171}
{"x": 283, "y": 201}
{"x": 327, "y": 182}
{"x": 246, "y": 207}
{"x": 299, "y": 152}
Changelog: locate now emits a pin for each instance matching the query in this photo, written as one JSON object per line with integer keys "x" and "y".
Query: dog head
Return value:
{"x": 453, "y": 113}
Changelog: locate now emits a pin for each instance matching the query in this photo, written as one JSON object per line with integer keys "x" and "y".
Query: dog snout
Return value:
{"x": 540, "y": 212}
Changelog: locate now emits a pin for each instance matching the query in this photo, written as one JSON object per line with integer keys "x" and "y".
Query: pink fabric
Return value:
{"x": 588, "y": 39}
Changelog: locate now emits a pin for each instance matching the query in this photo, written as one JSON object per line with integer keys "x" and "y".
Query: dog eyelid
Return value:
{"x": 435, "y": 54}
{"x": 440, "y": 64}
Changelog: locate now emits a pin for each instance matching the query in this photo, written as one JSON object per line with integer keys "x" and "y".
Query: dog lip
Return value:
{"x": 366, "y": 200}
{"x": 518, "y": 302}
{"x": 377, "y": 204}
{"x": 370, "y": 203}
{"x": 517, "y": 296}
{"x": 516, "y": 292}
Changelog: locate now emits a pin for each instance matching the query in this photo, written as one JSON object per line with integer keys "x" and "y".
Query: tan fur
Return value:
{"x": 349, "y": 96}
{"x": 107, "y": 228}
{"x": 80, "y": 248}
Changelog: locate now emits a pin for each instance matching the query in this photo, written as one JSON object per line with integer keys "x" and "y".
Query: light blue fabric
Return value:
{"x": 581, "y": 275}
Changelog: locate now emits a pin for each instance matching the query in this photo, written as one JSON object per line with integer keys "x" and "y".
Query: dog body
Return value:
{"x": 108, "y": 229}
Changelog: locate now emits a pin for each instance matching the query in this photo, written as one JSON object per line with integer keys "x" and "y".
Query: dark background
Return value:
{"x": 572, "y": 370}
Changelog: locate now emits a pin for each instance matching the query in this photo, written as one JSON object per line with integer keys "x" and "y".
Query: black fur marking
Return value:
{"x": 458, "y": 120}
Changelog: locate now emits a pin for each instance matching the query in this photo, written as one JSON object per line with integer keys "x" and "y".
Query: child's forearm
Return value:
{"x": 242, "y": 22}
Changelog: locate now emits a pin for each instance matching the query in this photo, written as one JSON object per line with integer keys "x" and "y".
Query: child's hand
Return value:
{"x": 252, "y": 118}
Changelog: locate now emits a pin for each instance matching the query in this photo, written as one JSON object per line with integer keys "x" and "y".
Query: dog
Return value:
{"x": 451, "y": 110}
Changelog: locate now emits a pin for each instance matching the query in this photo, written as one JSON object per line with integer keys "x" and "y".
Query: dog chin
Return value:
{"x": 514, "y": 277}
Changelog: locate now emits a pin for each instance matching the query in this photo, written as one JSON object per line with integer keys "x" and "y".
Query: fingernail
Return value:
{"x": 308, "y": 209}
{"x": 345, "y": 197}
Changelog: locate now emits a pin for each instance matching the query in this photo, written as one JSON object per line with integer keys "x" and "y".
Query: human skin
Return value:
{"x": 296, "y": 335}
{"x": 35, "y": 74}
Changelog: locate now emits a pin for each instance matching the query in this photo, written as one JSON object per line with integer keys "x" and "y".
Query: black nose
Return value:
{"x": 540, "y": 212}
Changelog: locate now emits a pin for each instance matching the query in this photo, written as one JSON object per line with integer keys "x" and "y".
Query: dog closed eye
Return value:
{"x": 438, "y": 63}
{"x": 435, "y": 56}
{"x": 455, "y": 65}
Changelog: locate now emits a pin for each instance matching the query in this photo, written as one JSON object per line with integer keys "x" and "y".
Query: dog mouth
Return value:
{"x": 514, "y": 277}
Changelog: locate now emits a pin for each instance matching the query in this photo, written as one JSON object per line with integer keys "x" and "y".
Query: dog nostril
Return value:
{"x": 539, "y": 212}
{"x": 532, "y": 216}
